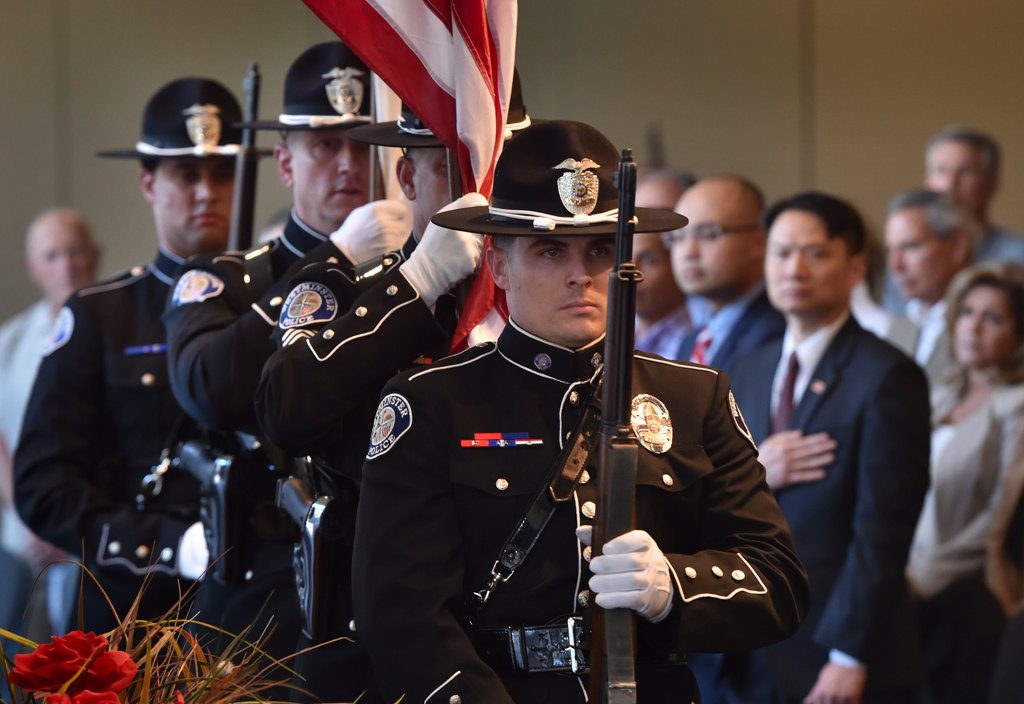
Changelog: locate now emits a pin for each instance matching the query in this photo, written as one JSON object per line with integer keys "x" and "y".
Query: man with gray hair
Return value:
{"x": 929, "y": 238}
{"x": 965, "y": 163}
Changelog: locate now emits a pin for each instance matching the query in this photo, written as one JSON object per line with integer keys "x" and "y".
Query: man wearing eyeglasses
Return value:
{"x": 719, "y": 256}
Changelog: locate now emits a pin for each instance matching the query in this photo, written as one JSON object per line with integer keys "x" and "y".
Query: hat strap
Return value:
{"x": 546, "y": 221}
{"x": 321, "y": 120}
{"x": 513, "y": 127}
{"x": 198, "y": 150}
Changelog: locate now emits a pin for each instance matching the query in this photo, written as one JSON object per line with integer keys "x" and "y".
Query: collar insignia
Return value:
{"x": 202, "y": 122}
{"x": 578, "y": 190}
{"x": 344, "y": 90}
{"x": 649, "y": 419}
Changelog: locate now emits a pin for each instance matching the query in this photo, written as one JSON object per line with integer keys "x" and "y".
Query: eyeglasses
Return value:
{"x": 703, "y": 233}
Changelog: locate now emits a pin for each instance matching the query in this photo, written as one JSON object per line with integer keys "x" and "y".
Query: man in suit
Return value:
{"x": 719, "y": 256}
{"x": 929, "y": 238}
{"x": 842, "y": 419}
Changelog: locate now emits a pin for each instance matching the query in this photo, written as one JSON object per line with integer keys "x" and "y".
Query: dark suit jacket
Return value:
{"x": 759, "y": 323}
{"x": 853, "y": 528}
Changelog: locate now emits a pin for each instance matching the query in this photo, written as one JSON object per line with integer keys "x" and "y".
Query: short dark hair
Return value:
{"x": 986, "y": 145}
{"x": 839, "y": 217}
{"x": 149, "y": 163}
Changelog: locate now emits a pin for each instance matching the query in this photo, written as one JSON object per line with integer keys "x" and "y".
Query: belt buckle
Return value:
{"x": 577, "y": 661}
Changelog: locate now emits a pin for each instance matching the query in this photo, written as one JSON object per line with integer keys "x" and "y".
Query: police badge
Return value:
{"x": 344, "y": 90}
{"x": 649, "y": 419}
{"x": 202, "y": 122}
{"x": 578, "y": 190}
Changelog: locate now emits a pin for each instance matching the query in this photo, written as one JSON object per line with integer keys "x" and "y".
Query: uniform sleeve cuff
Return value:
{"x": 838, "y": 657}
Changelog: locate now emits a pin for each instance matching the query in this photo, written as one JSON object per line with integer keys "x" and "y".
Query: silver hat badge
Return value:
{"x": 344, "y": 90}
{"x": 578, "y": 190}
{"x": 202, "y": 122}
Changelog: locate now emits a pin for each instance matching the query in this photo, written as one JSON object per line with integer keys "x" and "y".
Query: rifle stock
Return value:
{"x": 613, "y": 634}
{"x": 244, "y": 203}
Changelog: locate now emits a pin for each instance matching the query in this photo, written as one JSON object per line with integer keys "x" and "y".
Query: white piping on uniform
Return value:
{"x": 440, "y": 368}
{"x": 262, "y": 314}
{"x": 730, "y": 595}
{"x": 100, "y": 560}
{"x": 113, "y": 284}
{"x": 442, "y": 685}
{"x": 161, "y": 275}
{"x": 579, "y": 553}
{"x": 362, "y": 334}
{"x": 681, "y": 365}
{"x": 533, "y": 371}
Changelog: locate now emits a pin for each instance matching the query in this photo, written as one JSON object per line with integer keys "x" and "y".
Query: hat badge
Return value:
{"x": 344, "y": 89}
{"x": 578, "y": 188}
{"x": 202, "y": 122}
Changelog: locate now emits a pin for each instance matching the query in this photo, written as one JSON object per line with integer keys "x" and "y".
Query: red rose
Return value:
{"x": 52, "y": 664}
{"x": 179, "y": 698}
{"x": 58, "y": 699}
{"x": 89, "y": 697}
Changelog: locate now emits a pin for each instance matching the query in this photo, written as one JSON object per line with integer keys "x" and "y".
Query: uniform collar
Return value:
{"x": 299, "y": 237}
{"x": 548, "y": 359}
{"x": 165, "y": 266}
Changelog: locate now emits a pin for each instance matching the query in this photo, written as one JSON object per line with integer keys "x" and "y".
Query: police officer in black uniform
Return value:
{"x": 458, "y": 451}
{"x": 88, "y": 471}
{"x": 224, "y": 308}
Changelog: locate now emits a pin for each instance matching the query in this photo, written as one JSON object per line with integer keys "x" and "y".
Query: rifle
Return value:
{"x": 240, "y": 232}
{"x": 613, "y": 634}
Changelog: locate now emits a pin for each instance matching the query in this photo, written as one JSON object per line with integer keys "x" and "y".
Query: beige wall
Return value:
{"x": 834, "y": 94}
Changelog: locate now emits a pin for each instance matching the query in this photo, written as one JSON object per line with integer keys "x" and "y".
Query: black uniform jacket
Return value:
{"x": 100, "y": 414}
{"x": 853, "y": 528}
{"x": 439, "y": 500}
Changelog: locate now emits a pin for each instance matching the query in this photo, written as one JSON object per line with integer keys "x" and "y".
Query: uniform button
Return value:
{"x": 136, "y": 270}
{"x": 360, "y": 311}
{"x": 248, "y": 575}
{"x": 328, "y": 334}
{"x": 574, "y": 397}
{"x": 391, "y": 290}
{"x": 166, "y": 554}
{"x": 587, "y": 553}
{"x": 148, "y": 379}
{"x": 114, "y": 547}
{"x": 583, "y": 598}
{"x": 667, "y": 479}
{"x": 595, "y": 361}
{"x": 584, "y": 477}
{"x": 455, "y": 699}
{"x": 690, "y": 572}
{"x": 247, "y": 279}
{"x": 588, "y": 509}
{"x": 387, "y": 261}
{"x": 142, "y": 552}
{"x": 501, "y": 483}
{"x": 738, "y": 575}
{"x": 332, "y": 260}
{"x": 717, "y": 571}
{"x": 275, "y": 301}
{"x": 352, "y": 625}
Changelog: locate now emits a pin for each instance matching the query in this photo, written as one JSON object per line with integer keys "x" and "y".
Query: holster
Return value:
{"x": 220, "y": 507}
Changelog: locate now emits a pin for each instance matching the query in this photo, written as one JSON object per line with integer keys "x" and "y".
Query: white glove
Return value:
{"x": 631, "y": 573}
{"x": 373, "y": 229}
{"x": 444, "y": 257}
{"x": 193, "y": 553}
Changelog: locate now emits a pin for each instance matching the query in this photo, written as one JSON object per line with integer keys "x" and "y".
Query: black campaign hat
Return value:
{"x": 555, "y": 178}
{"x": 328, "y": 86}
{"x": 409, "y": 131}
{"x": 187, "y": 117}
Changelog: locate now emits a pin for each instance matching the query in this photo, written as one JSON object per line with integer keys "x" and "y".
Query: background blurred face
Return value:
{"x": 423, "y": 176}
{"x": 657, "y": 295}
{"x": 920, "y": 262}
{"x": 957, "y": 168}
{"x": 809, "y": 276}
{"x": 327, "y": 173}
{"x": 60, "y": 255}
{"x": 985, "y": 334}
{"x": 725, "y": 269}
{"x": 556, "y": 287}
{"x": 191, "y": 201}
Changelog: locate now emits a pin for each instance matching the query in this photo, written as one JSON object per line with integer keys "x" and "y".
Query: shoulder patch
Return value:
{"x": 61, "y": 331}
{"x": 308, "y": 303}
{"x": 739, "y": 421}
{"x": 393, "y": 420}
{"x": 196, "y": 286}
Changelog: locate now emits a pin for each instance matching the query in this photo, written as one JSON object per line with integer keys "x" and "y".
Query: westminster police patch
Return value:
{"x": 393, "y": 419}
{"x": 61, "y": 331}
{"x": 740, "y": 421}
{"x": 196, "y": 286}
{"x": 308, "y": 303}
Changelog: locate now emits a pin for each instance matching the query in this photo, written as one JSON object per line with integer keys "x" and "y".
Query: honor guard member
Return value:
{"x": 219, "y": 320}
{"x": 406, "y": 315}
{"x": 89, "y": 471}
{"x": 461, "y": 450}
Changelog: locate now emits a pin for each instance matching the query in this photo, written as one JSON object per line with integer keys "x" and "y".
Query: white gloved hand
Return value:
{"x": 631, "y": 573}
{"x": 373, "y": 229}
{"x": 444, "y": 257}
{"x": 193, "y": 553}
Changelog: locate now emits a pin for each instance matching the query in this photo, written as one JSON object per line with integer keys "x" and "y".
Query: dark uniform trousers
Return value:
{"x": 219, "y": 321}
{"x": 317, "y": 397}
{"x": 100, "y": 414}
{"x": 438, "y": 501}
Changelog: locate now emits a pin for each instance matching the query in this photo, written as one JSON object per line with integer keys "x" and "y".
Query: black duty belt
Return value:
{"x": 526, "y": 649}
